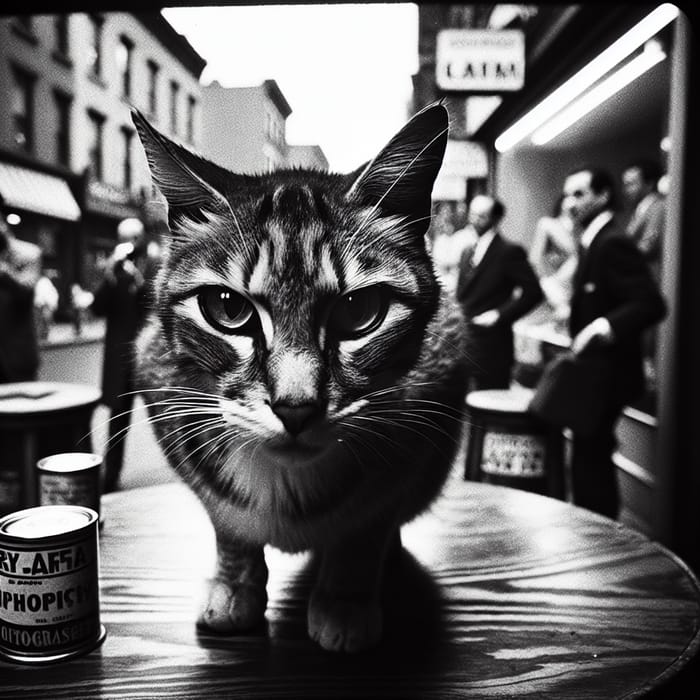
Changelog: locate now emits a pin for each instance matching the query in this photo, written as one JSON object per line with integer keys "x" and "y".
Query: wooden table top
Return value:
{"x": 505, "y": 594}
{"x": 19, "y": 399}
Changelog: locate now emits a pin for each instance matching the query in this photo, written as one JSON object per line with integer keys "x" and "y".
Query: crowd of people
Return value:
{"x": 592, "y": 275}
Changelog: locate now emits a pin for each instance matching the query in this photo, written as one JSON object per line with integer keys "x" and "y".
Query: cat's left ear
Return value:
{"x": 183, "y": 177}
{"x": 400, "y": 179}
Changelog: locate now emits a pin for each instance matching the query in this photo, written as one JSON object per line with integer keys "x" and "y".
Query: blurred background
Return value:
{"x": 532, "y": 90}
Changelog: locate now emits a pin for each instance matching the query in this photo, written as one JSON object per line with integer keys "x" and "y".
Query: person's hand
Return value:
{"x": 597, "y": 331}
{"x": 486, "y": 319}
{"x": 122, "y": 251}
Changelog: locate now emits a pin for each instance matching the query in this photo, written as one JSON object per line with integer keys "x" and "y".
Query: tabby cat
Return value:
{"x": 307, "y": 371}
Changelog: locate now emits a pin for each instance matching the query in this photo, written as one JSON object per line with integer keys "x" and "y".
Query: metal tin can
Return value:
{"x": 49, "y": 584}
{"x": 70, "y": 478}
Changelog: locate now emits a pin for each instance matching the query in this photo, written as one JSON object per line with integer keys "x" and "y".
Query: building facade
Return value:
{"x": 72, "y": 80}
{"x": 306, "y": 156}
{"x": 244, "y": 130}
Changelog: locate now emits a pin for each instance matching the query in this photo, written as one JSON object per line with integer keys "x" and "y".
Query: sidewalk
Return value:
{"x": 67, "y": 357}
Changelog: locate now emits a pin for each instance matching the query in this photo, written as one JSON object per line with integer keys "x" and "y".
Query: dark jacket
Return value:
{"x": 19, "y": 351}
{"x": 613, "y": 280}
{"x": 492, "y": 284}
{"x": 124, "y": 305}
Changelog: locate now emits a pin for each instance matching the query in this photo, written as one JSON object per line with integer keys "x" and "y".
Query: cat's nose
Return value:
{"x": 296, "y": 417}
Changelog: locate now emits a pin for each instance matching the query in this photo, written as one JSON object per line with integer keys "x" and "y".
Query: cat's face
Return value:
{"x": 295, "y": 297}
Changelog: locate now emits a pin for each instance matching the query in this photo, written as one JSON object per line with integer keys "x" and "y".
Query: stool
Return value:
{"x": 509, "y": 446}
{"x": 40, "y": 418}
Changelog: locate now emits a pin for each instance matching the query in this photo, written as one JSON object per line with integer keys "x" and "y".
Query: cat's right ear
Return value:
{"x": 175, "y": 171}
{"x": 400, "y": 178}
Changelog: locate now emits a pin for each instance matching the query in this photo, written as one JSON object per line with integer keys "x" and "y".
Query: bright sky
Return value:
{"x": 344, "y": 69}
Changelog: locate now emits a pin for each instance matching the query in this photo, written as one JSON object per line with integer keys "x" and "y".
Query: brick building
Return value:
{"x": 70, "y": 164}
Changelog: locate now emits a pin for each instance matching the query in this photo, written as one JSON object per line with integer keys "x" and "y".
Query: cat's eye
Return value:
{"x": 225, "y": 310}
{"x": 359, "y": 312}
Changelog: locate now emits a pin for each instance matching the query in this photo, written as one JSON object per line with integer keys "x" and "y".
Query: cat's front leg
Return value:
{"x": 237, "y": 595}
{"x": 344, "y": 610}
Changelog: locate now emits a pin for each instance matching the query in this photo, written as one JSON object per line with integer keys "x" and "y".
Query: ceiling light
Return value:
{"x": 589, "y": 74}
{"x": 601, "y": 92}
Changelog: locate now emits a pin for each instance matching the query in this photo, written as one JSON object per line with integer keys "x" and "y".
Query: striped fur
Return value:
{"x": 304, "y": 427}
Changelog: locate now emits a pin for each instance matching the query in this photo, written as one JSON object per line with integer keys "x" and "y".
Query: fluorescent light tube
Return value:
{"x": 601, "y": 92}
{"x": 596, "y": 69}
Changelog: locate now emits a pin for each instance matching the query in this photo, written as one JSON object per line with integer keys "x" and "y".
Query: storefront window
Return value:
{"x": 95, "y": 48}
{"x": 61, "y": 41}
{"x": 174, "y": 96}
{"x": 124, "y": 52}
{"x": 153, "y": 70}
{"x": 63, "y": 105}
{"x": 127, "y": 136}
{"x": 96, "y": 122}
{"x": 22, "y": 106}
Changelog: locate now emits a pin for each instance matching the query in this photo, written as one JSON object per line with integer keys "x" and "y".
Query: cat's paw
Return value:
{"x": 233, "y": 608}
{"x": 344, "y": 625}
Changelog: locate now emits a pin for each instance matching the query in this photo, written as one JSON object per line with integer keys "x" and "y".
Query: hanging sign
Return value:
{"x": 490, "y": 60}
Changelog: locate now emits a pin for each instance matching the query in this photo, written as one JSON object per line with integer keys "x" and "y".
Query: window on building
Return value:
{"x": 25, "y": 24}
{"x": 153, "y": 70}
{"x": 95, "y": 46}
{"x": 191, "y": 107}
{"x": 95, "y": 147}
{"x": 22, "y": 109}
{"x": 174, "y": 94}
{"x": 63, "y": 107}
{"x": 61, "y": 38}
{"x": 124, "y": 52}
{"x": 127, "y": 136}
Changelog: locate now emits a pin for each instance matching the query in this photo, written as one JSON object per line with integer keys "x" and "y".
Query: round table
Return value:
{"x": 57, "y": 414}
{"x": 502, "y": 593}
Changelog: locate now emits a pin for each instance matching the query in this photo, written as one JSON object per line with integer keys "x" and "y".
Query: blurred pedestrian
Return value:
{"x": 45, "y": 305}
{"x": 447, "y": 250}
{"x": 614, "y": 299}
{"x": 496, "y": 287}
{"x": 646, "y": 224}
{"x": 20, "y": 270}
{"x": 122, "y": 299}
{"x": 553, "y": 257}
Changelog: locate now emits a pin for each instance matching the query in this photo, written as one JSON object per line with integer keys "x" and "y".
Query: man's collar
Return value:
{"x": 482, "y": 245}
{"x": 594, "y": 227}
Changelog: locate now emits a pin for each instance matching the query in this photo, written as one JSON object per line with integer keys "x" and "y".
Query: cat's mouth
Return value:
{"x": 308, "y": 442}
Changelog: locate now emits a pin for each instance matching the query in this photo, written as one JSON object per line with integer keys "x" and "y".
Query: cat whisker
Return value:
{"x": 401, "y": 424}
{"x": 179, "y": 435}
{"x": 375, "y": 434}
{"x": 403, "y": 172}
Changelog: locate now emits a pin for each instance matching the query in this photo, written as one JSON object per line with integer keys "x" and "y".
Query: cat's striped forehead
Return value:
{"x": 301, "y": 242}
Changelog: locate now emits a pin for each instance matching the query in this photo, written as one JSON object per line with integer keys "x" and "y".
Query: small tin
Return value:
{"x": 70, "y": 478}
{"x": 49, "y": 584}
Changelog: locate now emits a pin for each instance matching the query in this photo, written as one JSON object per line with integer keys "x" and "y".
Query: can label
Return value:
{"x": 514, "y": 455}
{"x": 49, "y": 594}
{"x": 70, "y": 479}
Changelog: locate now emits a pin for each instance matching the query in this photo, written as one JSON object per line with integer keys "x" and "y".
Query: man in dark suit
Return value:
{"x": 648, "y": 220}
{"x": 20, "y": 269}
{"x": 122, "y": 298}
{"x": 614, "y": 299}
{"x": 496, "y": 287}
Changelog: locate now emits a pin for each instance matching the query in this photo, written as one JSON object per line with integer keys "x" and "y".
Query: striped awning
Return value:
{"x": 38, "y": 192}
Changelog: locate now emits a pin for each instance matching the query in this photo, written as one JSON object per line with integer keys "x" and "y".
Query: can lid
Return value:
{"x": 69, "y": 462}
{"x": 46, "y": 521}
